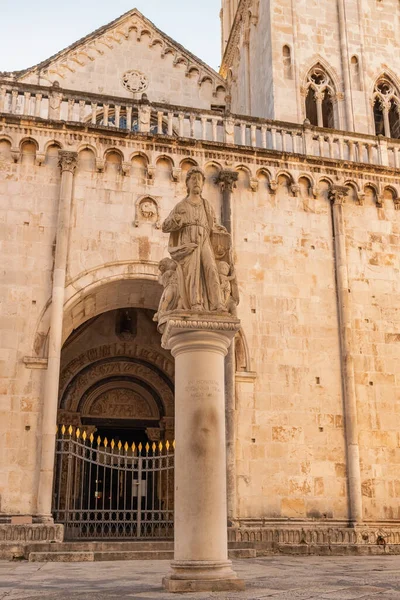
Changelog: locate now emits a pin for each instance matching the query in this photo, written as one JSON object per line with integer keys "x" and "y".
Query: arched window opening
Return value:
{"x": 327, "y": 111}
{"x": 28, "y": 153}
{"x": 386, "y": 108}
{"x": 86, "y": 160}
{"x": 378, "y": 118}
{"x": 52, "y": 155}
{"x": 311, "y": 107}
{"x": 113, "y": 162}
{"x": 355, "y": 72}
{"x": 287, "y": 62}
{"x": 320, "y": 98}
{"x": 394, "y": 121}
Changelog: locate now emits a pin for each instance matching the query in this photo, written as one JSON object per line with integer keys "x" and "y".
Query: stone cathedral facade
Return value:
{"x": 298, "y": 139}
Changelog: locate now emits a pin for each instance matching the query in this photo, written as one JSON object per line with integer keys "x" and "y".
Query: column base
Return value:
{"x": 202, "y": 576}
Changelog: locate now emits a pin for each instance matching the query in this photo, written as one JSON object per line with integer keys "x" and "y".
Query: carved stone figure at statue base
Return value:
{"x": 200, "y": 277}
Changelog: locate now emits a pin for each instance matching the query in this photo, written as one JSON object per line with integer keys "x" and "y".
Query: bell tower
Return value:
{"x": 317, "y": 59}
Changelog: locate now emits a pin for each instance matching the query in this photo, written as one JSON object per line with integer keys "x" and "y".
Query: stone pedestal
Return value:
{"x": 199, "y": 345}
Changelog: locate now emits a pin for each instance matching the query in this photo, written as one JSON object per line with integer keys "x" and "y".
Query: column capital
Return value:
{"x": 227, "y": 179}
{"x": 338, "y": 193}
{"x": 68, "y": 160}
{"x": 184, "y": 331}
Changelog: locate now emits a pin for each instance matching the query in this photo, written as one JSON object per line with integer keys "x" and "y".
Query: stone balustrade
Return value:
{"x": 140, "y": 116}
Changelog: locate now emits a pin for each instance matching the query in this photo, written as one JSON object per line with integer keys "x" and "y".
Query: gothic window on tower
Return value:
{"x": 320, "y": 99}
{"x": 386, "y": 108}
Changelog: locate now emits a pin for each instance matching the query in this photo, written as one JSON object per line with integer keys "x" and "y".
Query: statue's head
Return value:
{"x": 223, "y": 267}
{"x": 167, "y": 264}
{"x": 195, "y": 180}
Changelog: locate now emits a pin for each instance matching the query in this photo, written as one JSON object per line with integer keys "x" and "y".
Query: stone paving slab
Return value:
{"x": 277, "y": 577}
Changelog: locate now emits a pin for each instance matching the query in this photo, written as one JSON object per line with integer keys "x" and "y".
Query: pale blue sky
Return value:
{"x": 31, "y": 31}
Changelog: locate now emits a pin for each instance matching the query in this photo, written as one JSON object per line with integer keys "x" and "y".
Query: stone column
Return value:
{"x": 199, "y": 344}
{"x": 386, "y": 122}
{"x": 319, "y": 96}
{"x": 68, "y": 161}
{"x": 338, "y": 194}
{"x": 227, "y": 180}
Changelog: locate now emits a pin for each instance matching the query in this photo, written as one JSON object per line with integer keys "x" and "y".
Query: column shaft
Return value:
{"x": 227, "y": 180}
{"x": 199, "y": 346}
{"x": 50, "y": 398}
{"x": 349, "y": 389}
{"x": 200, "y": 459}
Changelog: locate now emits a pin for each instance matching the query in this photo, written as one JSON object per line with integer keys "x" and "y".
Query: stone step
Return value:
{"x": 100, "y": 546}
{"x": 242, "y": 553}
{"x": 114, "y": 555}
{"x": 61, "y": 557}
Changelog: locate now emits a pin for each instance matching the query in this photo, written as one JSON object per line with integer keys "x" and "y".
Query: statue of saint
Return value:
{"x": 191, "y": 225}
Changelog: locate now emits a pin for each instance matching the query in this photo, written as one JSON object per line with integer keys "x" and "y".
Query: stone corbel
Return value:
{"x": 273, "y": 185}
{"x": 295, "y": 189}
{"x": 126, "y": 168}
{"x": 15, "y": 154}
{"x": 100, "y": 164}
{"x": 315, "y": 191}
{"x": 360, "y": 198}
{"x": 176, "y": 174}
{"x": 379, "y": 200}
{"x": 40, "y": 158}
{"x": 253, "y": 184}
{"x": 151, "y": 171}
{"x": 33, "y": 362}
{"x": 154, "y": 434}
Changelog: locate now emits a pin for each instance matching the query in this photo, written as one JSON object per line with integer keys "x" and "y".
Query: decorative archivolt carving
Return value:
{"x": 151, "y": 355}
{"x": 121, "y": 404}
{"x": 104, "y": 370}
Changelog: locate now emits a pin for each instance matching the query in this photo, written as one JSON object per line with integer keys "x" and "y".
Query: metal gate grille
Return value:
{"x": 104, "y": 490}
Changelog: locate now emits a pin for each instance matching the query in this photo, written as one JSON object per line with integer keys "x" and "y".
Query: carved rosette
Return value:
{"x": 135, "y": 81}
{"x": 68, "y": 161}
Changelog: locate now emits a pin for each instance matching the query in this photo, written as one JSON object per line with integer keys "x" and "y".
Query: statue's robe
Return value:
{"x": 190, "y": 225}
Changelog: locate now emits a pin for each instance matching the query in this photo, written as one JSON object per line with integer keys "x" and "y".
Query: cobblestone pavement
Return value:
{"x": 281, "y": 578}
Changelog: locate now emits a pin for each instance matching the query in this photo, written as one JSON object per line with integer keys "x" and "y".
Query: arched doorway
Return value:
{"x": 114, "y": 462}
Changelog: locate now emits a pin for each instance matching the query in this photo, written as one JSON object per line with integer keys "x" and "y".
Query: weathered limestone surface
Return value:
{"x": 331, "y": 33}
{"x": 289, "y": 408}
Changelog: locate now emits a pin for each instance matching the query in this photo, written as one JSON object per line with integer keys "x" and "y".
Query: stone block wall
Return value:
{"x": 312, "y": 32}
{"x": 290, "y": 434}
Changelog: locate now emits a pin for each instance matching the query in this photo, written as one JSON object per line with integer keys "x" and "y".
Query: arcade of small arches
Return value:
{"x": 115, "y": 162}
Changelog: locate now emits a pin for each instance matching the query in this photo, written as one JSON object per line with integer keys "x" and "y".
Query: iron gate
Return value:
{"x": 104, "y": 490}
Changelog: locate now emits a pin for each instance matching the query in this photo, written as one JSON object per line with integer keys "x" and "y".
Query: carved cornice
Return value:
{"x": 68, "y": 160}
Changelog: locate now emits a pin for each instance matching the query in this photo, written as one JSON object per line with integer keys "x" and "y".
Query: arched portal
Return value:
{"x": 113, "y": 478}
